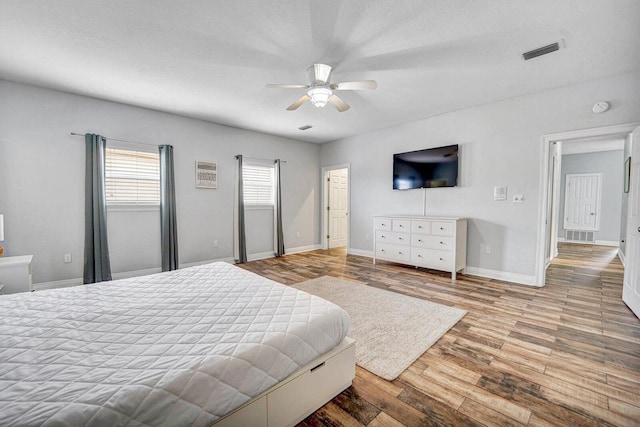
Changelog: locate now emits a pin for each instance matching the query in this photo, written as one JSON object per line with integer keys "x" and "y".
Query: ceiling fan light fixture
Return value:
{"x": 319, "y": 96}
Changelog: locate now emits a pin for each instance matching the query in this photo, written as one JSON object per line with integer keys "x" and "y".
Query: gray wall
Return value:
{"x": 501, "y": 145}
{"x": 42, "y": 175}
{"x": 610, "y": 165}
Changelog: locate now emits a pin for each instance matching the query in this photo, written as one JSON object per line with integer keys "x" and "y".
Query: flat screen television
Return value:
{"x": 429, "y": 168}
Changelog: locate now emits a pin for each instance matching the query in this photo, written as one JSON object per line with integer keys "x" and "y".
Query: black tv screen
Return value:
{"x": 433, "y": 167}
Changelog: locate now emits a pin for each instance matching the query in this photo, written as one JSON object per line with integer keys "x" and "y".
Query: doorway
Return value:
{"x": 336, "y": 206}
{"x": 550, "y": 181}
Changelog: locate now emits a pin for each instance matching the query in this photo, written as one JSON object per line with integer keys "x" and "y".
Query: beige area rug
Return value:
{"x": 391, "y": 330}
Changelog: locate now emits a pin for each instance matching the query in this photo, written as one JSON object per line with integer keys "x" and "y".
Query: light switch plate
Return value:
{"x": 499, "y": 193}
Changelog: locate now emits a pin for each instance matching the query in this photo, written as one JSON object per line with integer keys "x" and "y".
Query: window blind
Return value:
{"x": 257, "y": 184}
{"x": 132, "y": 177}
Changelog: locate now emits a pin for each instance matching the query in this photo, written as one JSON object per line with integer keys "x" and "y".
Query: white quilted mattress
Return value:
{"x": 178, "y": 348}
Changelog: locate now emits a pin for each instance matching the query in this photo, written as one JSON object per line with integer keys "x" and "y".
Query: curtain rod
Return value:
{"x": 119, "y": 140}
{"x": 260, "y": 160}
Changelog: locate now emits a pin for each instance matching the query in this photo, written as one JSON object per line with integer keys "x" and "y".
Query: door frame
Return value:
{"x": 324, "y": 173}
{"x": 543, "y": 185}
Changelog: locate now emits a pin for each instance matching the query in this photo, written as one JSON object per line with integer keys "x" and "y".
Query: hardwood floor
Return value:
{"x": 565, "y": 354}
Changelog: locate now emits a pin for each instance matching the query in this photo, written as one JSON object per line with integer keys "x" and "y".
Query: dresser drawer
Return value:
{"x": 442, "y": 228}
{"x": 431, "y": 258}
{"x": 401, "y": 225}
{"x": 392, "y": 237}
{"x": 421, "y": 227}
{"x": 443, "y": 243}
{"x": 392, "y": 252}
{"x": 382, "y": 223}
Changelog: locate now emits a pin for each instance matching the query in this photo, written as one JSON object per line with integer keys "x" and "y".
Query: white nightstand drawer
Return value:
{"x": 392, "y": 252}
{"x": 382, "y": 223}
{"x": 443, "y": 243}
{"x": 432, "y": 258}
{"x": 441, "y": 228}
{"x": 421, "y": 227}
{"x": 401, "y": 225}
{"x": 392, "y": 237}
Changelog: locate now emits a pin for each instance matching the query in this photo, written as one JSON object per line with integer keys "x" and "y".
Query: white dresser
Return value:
{"x": 439, "y": 243}
{"x": 15, "y": 273}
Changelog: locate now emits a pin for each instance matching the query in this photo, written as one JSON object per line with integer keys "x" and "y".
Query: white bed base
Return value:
{"x": 293, "y": 399}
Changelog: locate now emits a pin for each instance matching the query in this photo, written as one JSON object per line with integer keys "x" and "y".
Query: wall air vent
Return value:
{"x": 541, "y": 51}
{"x": 305, "y": 127}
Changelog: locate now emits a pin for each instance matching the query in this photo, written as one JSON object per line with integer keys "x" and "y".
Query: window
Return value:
{"x": 258, "y": 182}
{"x": 132, "y": 177}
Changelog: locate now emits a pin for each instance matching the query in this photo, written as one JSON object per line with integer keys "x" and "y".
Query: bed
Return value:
{"x": 212, "y": 344}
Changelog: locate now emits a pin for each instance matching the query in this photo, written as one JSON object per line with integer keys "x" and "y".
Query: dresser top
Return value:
{"x": 427, "y": 218}
{"x": 10, "y": 261}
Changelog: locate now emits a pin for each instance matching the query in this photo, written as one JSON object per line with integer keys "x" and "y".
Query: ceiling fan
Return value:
{"x": 321, "y": 91}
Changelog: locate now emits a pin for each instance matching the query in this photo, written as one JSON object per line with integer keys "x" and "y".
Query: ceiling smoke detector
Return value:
{"x": 600, "y": 107}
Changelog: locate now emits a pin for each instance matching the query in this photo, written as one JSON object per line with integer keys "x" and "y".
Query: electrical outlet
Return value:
{"x": 487, "y": 249}
{"x": 297, "y": 234}
{"x": 67, "y": 258}
{"x": 215, "y": 243}
{"x": 518, "y": 198}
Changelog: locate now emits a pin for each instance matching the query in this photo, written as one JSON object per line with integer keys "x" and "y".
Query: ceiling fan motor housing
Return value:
{"x": 319, "y": 74}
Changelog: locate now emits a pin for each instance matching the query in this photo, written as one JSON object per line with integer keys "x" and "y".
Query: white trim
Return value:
{"x": 612, "y": 243}
{"x": 121, "y": 275}
{"x": 57, "y": 284}
{"x": 541, "y": 238}
{"x": 522, "y": 279}
{"x": 260, "y": 255}
{"x": 622, "y": 258}
{"x": 325, "y": 202}
{"x": 299, "y": 249}
{"x": 360, "y": 252}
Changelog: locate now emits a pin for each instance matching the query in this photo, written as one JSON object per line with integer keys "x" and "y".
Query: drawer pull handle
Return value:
{"x": 381, "y": 250}
{"x": 442, "y": 243}
{"x": 399, "y": 238}
{"x": 419, "y": 226}
{"x": 383, "y": 236}
{"x": 419, "y": 256}
{"x": 317, "y": 366}
{"x": 400, "y": 225}
{"x": 441, "y": 228}
{"x": 441, "y": 259}
{"x": 419, "y": 240}
{"x": 384, "y": 225}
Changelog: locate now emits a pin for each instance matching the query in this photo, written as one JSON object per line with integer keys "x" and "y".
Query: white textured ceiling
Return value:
{"x": 212, "y": 59}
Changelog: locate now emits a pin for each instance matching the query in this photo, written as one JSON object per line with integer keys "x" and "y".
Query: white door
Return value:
{"x": 631, "y": 287}
{"x": 338, "y": 207}
{"x": 582, "y": 202}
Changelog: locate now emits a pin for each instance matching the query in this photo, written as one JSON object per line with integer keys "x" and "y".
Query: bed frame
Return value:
{"x": 293, "y": 399}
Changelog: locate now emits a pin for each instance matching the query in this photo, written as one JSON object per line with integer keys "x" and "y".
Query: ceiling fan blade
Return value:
{"x": 298, "y": 103}
{"x": 286, "y": 86}
{"x": 362, "y": 85}
{"x": 340, "y": 105}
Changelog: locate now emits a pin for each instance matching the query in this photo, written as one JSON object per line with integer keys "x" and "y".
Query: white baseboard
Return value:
{"x": 523, "y": 279}
{"x": 622, "y": 258}
{"x": 299, "y": 249}
{"x": 360, "y": 252}
{"x": 612, "y": 243}
{"x": 121, "y": 275}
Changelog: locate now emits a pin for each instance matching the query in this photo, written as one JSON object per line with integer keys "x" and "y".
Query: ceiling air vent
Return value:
{"x": 305, "y": 127}
{"x": 541, "y": 51}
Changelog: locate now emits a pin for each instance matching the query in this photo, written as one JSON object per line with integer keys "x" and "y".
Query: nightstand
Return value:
{"x": 15, "y": 274}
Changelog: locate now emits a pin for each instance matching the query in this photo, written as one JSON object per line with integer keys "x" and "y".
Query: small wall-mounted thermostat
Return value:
{"x": 206, "y": 175}
{"x": 499, "y": 193}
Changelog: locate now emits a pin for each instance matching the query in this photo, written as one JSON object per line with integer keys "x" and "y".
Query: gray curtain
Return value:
{"x": 168, "y": 228}
{"x": 97, "y": 267}
{"x": 278, "y": 238}
{"x": 239, "y": 241}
